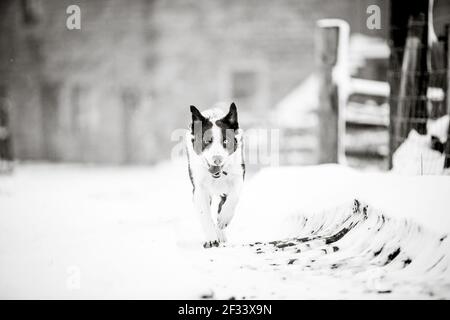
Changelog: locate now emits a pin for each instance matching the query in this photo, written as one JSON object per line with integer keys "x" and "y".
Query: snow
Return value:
{"x": 301, "y": 103}
{"x": 415, "y": 156}
{"x": 368, "y": 47}
{"x": 363, "y": 47}
{"x": 70, "y": 232}
{"x": 370, "y": 87}
{"x": 313, "y": 189}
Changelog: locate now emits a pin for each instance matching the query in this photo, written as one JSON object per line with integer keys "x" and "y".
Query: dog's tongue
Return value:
{"x": 214, "y": 169}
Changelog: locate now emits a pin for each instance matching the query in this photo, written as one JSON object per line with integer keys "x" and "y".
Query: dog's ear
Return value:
{"x": 231, "y": 119}
{"x": 197, "y": 122}
{"x": 196, "y": 114}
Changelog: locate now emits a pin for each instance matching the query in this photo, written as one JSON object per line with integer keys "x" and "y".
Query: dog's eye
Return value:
{"x": 225, "y": 142}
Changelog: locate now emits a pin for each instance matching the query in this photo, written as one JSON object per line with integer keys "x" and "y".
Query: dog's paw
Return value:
{"x": 210, "y": 244}
{"x": 221, "y": 236}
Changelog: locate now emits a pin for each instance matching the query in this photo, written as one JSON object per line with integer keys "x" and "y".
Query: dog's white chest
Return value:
{"x": 223, "y": 185}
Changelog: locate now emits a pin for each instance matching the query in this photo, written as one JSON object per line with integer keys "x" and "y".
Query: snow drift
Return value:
{"x": 373, "y": 252}
{"x": 298, "y": 233}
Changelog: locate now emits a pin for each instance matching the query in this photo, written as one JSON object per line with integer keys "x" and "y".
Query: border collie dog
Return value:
{"x": 216, "y": 168}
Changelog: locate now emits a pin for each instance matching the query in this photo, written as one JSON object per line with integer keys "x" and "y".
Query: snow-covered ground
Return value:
{"x": 69, "y": 231}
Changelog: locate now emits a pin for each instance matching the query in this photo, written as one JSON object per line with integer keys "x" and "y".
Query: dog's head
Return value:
{"x": 214, "y": 137}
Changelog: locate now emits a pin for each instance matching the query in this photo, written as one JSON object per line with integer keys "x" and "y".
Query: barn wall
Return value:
{"x": 114, "y": 91}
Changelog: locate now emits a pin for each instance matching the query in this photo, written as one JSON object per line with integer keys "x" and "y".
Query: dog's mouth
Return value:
{"x": 215, "y": 171}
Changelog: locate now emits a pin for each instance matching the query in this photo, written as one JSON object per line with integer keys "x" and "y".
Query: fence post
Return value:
{"x": 447, "y": 51}
{"x": 6, "y": 152}
{"x": 332, "y": 37}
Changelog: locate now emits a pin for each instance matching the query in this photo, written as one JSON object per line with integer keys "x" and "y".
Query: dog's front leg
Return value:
{"x": 226, "y": 210}
{"x": 202, "y": 201}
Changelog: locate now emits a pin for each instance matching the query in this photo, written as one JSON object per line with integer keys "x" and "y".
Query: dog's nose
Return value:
{"x": 217, "y": 160}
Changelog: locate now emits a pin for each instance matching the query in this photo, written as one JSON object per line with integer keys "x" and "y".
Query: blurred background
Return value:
{"x": 100, "y": 206}
{"x": 114, "y": 91}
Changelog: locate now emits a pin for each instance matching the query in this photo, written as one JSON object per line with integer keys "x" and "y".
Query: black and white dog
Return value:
{"x": 216, "y": 168}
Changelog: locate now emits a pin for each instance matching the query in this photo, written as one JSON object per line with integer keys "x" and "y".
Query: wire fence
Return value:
{"x": 419, "y": 117}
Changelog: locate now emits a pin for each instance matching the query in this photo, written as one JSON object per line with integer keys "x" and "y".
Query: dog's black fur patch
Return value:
{"x": 228, "y": 125}
{"x": 223, "y": 198}
{"x": 191, "y": 177}
{"x": 200, "y": 129}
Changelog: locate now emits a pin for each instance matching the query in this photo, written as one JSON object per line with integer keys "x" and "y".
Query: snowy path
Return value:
{"x": 88, "y": 232}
